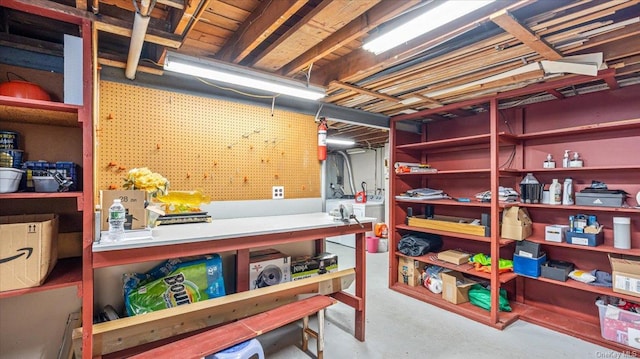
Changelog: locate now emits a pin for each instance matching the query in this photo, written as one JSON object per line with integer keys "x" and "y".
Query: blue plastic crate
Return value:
{"x": 37, "y": 168}
{"x": 527, "y": 266}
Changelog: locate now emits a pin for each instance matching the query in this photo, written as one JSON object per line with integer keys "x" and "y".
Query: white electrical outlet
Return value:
{"x": 277, "y": 192}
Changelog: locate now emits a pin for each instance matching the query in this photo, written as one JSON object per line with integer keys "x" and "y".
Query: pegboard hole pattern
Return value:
{"x": 230, "y": 151}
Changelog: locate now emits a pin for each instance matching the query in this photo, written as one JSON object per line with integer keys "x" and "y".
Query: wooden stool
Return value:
{"x": 319, "y": 335}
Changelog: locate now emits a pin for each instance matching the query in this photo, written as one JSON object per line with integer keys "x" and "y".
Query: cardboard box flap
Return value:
{"x": 516, "y": 216}
{"x": 624, "y": 263}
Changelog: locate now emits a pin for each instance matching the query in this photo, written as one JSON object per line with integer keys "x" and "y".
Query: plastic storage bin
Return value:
{"x": 527, "y": 266}
{"x": 619, "y": 325}
{"x": 9, "y": 179}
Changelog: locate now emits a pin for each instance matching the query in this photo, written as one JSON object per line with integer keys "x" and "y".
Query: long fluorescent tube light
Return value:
{"x": 335, "y": 141}
{"x": 432, "y": 19}
{"x": 355, "y": 151}
{"x": 235, "y": 75}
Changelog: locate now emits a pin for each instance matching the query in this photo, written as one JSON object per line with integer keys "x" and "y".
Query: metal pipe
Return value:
{"x": 347, "y": 161}
{"x": 140, "y": 25}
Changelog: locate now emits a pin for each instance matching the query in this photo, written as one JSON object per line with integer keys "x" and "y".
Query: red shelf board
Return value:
{"x": 466, "y": 268}
{"x": 572, "y": 131}
{"x": 601, "y": 248}
{"x": 582, "y": 208}
{"x": 452, "y": 234}
{"x": 467, "y": 310}
{"x": 66, "y": 273}
{"x": 39, "y": 195}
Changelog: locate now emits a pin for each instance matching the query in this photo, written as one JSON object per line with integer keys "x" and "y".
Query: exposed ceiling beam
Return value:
{"x": 176, "y": 4}
{"x": 183, "y": 20}
{"x": 262, "y": 22}
{"x": 508, "y": 23}
{"x": 360, "y": 63}
{"x": 384, "y": 11}
{"x": 363, "y": 91}
{"x": 293, "y": 31}
{"x": 123, "y": 28}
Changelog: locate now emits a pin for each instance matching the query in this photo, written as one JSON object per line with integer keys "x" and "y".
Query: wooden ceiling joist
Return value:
{"x": 262, "y": 22}
{"x": 506, "y": 21}
{"x": 364, "y": 91}
{"x": 183, "y": 18}
{"x": 123, "y": 28}
{"x": 385, "y": 10}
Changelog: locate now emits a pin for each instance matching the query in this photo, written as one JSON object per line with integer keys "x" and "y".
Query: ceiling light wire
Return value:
{"x": 234, "y": 90}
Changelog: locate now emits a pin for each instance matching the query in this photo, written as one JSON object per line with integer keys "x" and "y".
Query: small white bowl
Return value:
{"x": 9, "y": 179}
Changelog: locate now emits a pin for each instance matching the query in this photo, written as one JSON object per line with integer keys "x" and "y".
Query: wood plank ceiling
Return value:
{"x": 320, "y": 41}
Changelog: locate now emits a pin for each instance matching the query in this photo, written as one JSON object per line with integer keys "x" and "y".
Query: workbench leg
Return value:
{"x": 305, "y": 333}
{"x": 320, "y": 338}
{"x": 361, "y": 285}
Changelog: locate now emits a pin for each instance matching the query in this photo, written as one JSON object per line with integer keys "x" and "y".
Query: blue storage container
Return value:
{"x": 527, "y": 266}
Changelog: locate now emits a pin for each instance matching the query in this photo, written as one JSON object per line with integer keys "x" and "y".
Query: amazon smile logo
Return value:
{"x": 21, "y": 252}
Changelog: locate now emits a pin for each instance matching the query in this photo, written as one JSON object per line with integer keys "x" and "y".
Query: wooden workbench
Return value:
{"x": 239, "y": 235}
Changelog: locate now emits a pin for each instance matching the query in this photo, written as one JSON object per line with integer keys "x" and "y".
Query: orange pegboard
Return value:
{"x": 228, "y": 150}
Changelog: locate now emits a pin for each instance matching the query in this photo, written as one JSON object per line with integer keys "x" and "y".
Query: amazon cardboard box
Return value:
{"x": 28, "y": 250}
{"x": 410, "y": 271}
{"x": 133, "y": 202}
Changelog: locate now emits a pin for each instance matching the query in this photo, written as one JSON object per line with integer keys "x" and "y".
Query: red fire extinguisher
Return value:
{"x": 322, "y": 139}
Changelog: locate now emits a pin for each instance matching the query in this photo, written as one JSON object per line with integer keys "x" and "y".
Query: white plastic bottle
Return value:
{"x": 567, "y": 192}
{"x": 117, "y": 217}
{"x": 565, "y": 159}
{"x": 555, "y": 192}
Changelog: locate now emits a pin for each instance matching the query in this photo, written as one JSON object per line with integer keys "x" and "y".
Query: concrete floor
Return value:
{"x": 398, "y": 326}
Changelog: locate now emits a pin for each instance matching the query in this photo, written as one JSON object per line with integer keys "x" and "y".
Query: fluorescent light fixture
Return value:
{"x": 355, "y": 151}
{"x": 336, "y": 141}
{"x": 236, "y": 75}
{"x": 432, "y": 19}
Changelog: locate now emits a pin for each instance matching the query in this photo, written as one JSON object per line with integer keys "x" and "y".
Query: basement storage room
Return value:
{"x": 319, "y": 179}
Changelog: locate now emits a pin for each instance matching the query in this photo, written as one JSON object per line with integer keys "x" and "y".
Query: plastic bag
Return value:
{"x": 172, "y": 283}
{"x": 418, "y": 244}
{"x": 481, "y": 297}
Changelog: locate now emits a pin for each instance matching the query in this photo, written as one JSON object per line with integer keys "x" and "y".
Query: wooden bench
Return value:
{"x": 135, "y": 335}
{"x": 220, "y": 338}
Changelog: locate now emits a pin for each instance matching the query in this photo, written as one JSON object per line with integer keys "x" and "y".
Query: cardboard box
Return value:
{"x": 29, "y": 249}
{"x": 516, "y": 223}
{"x": 625, "y": 273}
{"x": 528, "y": 267}
{"x": 410, "y": 271}
{"x": 268, "y": 267}
{"x": 455, "y": 287}
{"x": 133, "y": 202}
{"x": 558, "y": 270}
{"x": 556, "y": 233}
{"x": 454, "y": 256}
{"x": 585, "y": 239}
{"x": 307, "y": 266}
